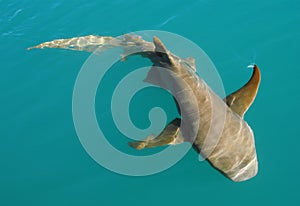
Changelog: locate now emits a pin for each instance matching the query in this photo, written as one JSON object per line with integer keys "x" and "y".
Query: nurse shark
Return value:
{"x": 215, "y": 127}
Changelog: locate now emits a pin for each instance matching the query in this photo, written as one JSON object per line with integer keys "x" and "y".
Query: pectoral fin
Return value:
{"x": 166, "y": 137}
{"x": 240, "y": 100}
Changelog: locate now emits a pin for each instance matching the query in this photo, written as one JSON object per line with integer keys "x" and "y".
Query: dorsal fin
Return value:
{"x": 161, "y": 51}
{"x": 159, "y": 46}
{"x": 191, "y": 62}
{"x": 240, "y": 100}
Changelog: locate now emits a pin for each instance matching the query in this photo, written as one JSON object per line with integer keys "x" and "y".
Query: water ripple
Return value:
{"x": 15, "y": 14}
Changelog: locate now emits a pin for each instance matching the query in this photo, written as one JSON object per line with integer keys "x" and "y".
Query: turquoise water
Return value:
{"x": 42, "y": 160}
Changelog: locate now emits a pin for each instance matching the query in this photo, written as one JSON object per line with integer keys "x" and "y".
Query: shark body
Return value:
{"x": 215, "y": 127}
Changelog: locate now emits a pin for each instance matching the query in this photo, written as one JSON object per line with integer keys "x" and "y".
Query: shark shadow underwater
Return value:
{"x": 203, "y": 113}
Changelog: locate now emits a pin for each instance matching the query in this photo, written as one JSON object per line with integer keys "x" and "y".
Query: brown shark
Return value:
{"x": 214, "y": 127}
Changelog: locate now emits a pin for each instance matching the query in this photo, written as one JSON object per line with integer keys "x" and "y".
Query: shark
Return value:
{"x": 214, "y": 126}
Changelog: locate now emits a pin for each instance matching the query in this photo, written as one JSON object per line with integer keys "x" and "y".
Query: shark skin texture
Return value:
{"x": 231, "y": 150}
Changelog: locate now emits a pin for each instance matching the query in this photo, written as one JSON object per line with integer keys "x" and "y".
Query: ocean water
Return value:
{"x": 42, "y": 160}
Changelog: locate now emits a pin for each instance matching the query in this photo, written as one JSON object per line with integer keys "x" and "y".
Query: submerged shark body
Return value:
{"x": 214, "y": 127}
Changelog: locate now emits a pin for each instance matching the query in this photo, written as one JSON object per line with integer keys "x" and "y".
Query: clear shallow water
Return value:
{"x": 42, "y": 160}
